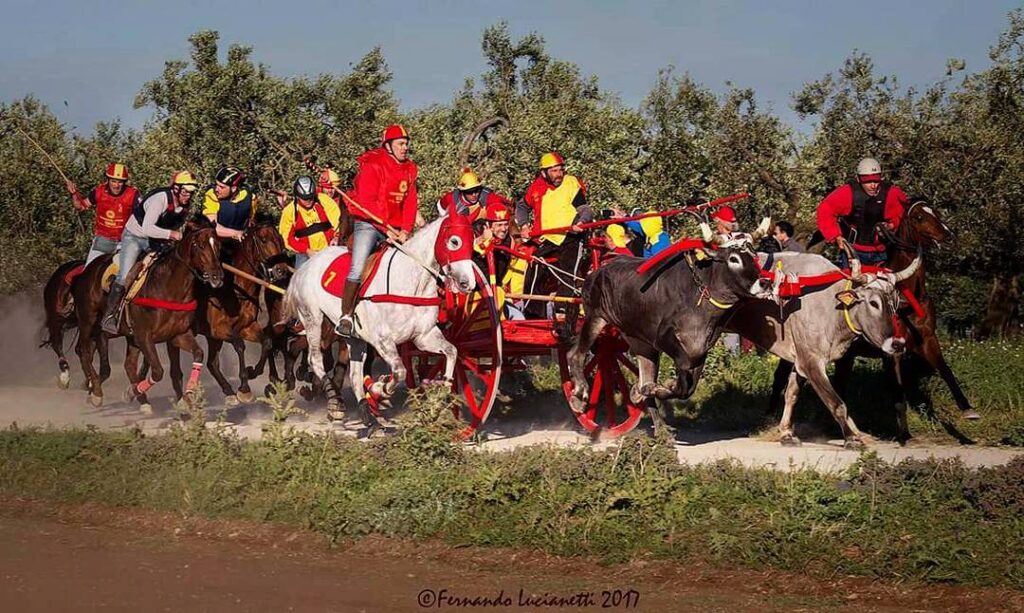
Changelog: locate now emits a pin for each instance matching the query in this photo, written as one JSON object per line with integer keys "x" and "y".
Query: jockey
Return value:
{"x": 229, "y": 204}
{"x": 155, "y": 217}
{"x": 554, "y": 199}
{"x": 384, "y": 187}
{"x": 309, "y": 224}
{"x": 849, "y": 216}
{"x": 470, "y": 197}
{"x": 114, "y": 200}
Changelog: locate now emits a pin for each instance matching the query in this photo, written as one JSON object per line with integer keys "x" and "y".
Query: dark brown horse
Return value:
{"x": 60, "y": 317}
{"x": 230, "y": 313}
{"x": 920, "y": 229}
{"x": 161, "y": 313}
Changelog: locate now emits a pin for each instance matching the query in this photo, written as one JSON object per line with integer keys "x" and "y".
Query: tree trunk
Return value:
{"x": 1002, "y": 316}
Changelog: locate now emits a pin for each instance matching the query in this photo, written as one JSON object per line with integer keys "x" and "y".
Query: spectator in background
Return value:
{"x": 783, "y": 233}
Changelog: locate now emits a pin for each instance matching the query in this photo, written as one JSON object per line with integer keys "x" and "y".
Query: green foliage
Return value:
{"x": 932, "y": 521}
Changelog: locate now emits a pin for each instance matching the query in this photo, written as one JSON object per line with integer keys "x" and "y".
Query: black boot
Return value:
{"x": 346, "y": 326}
{"x": 111, "y": 322}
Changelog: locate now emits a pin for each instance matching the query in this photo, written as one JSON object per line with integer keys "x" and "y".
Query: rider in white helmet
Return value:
{"x": 851, "y": 214}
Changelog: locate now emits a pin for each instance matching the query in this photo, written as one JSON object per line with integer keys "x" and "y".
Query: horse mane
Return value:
{"x": 264, "y": 219}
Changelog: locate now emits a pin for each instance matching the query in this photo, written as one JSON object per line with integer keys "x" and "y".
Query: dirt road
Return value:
{"x": 75, "y": 558}
{"x": 29, "y": 395}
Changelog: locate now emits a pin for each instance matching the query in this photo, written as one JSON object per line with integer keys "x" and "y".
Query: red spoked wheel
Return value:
{"x": 474, "y": 327}
{"x": 609, "y": 412}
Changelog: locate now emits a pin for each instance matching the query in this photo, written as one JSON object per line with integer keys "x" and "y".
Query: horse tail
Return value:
{"x": 288, "y": 307}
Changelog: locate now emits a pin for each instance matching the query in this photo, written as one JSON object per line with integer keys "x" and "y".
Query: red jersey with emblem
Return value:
{"x": 387, "y": 188}
{"x": 112, "y": 211}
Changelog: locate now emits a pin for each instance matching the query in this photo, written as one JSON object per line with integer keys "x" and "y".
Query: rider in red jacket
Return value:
{"x": 849, "y": 216}
{"x": 385, "y": 188}
{"x": 114, "y": 201}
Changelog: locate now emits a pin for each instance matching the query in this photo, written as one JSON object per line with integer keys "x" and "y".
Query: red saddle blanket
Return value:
{"x": 333, "y": 279}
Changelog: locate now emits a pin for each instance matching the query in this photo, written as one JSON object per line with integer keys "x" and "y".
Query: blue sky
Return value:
{"x": 96, "y": 54}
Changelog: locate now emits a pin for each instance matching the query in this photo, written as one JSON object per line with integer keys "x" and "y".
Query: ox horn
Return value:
{"x": 909, "y": 271}
{"x": 855, "y": 270}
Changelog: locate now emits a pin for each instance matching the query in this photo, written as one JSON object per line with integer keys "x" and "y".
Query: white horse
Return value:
{"x": 407, "y": 310}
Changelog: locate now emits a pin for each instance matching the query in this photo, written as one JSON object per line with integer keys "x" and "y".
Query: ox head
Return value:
{"x": 735, "y": 272}
{"x": 453, "y": 251}
{"x": 869, "y": 308}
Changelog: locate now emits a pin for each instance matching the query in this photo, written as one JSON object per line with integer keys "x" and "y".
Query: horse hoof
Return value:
{"x": 970, "y": 414}
{"x": 231, "y": 401}
{"x": 146, "y": 408}
{"x": 96, "y": 401}
{"x": 790, "y": 441}
{"x": 246, "y": 397}
{"x": 855, "y": 444}
{"x": 64, "y": 380}
{"x": 307, "y": 393}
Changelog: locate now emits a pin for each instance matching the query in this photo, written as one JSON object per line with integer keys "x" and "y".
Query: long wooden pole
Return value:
{"x": 543, "y": 297}
{"x": 254, "y": 279}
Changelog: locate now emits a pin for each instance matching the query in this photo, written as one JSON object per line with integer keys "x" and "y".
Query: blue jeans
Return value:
{"x": 870, "y": 258}
{"x": 101, "y": 245}
{"x": 131, "y": 248}
{"x": 365, "y": 239}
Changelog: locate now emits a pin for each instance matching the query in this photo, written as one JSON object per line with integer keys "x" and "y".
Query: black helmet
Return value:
{"x": 230, "y": 176}
{"x": 304, "y": 188}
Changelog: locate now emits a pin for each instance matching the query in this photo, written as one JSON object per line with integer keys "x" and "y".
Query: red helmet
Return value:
{"x": 496, "y": 211}
{"x": 117, "y": 171}
{"x": 725, "y": 213}
{"x": 550, "y": 160}
{"x": 393, "y": 132}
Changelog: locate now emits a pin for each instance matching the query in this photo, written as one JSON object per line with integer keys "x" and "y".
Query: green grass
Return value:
{"x": 930, "y": 521}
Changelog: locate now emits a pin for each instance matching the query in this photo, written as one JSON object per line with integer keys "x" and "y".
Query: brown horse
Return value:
{"x": 60, "y": 317}
{"x": 230, "y": 313}
{"x": 920, "y": 229}
{"x": 162, "y": 312}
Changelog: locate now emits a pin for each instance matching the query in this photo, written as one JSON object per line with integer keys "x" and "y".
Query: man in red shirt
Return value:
{"x": 114, "y": 200}
{"x": 385, "y": 186}
{"x": 849, "y": 216}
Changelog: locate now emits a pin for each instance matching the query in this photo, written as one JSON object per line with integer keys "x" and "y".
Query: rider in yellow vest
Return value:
{"x": 554, "y": 200}
{"x": 309, "y": 223}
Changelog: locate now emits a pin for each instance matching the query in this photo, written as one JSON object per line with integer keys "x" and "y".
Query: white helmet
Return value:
{"x": 868, "y": 166}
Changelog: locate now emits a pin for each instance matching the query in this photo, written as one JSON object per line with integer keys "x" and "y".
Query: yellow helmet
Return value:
{"x": 186, "y": 180}
{"x": 468, "y": 180}
{"x": 550, "y": 160}
{"x": 617, "y": 233}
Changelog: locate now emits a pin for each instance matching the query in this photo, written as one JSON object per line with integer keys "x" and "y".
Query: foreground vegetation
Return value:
{"x": 930, "y": 521}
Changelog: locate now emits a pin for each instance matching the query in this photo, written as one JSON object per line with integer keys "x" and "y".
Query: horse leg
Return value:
{"x": 156, "y": 371}
{"x": 137, "y": 386}
{"x": 85, "y": 349}
{"x": 213, "y": 362}
{"x": 815, "y": 373}
{"x": 894, "y": 370}
{"x": 103, "y": 346}
{"x": 177, "y": 376}
{"x": 55, "y": 329}
{"x": 932, "y": 353}
{"x": 244, "y": 392}
{"x": 312, "y": 321}
{"x": 794, "y": 381}
{"x": 188, "y": 342}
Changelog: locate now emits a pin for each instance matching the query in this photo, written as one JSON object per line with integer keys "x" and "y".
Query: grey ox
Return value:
{"x": 677, "y": 309}
{"x": 818, "y": 327}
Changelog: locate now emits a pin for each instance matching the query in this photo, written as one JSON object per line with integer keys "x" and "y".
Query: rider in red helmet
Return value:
{"x": 114, "y": 200}
{"x": 384, "y": 187}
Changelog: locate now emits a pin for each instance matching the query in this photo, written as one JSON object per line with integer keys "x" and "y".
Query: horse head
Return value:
{"x": 263, "y": 248}
{"x": 453, "y": 250}
{"x": 923, "y": 227}
{"x": 200, "y": 250}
